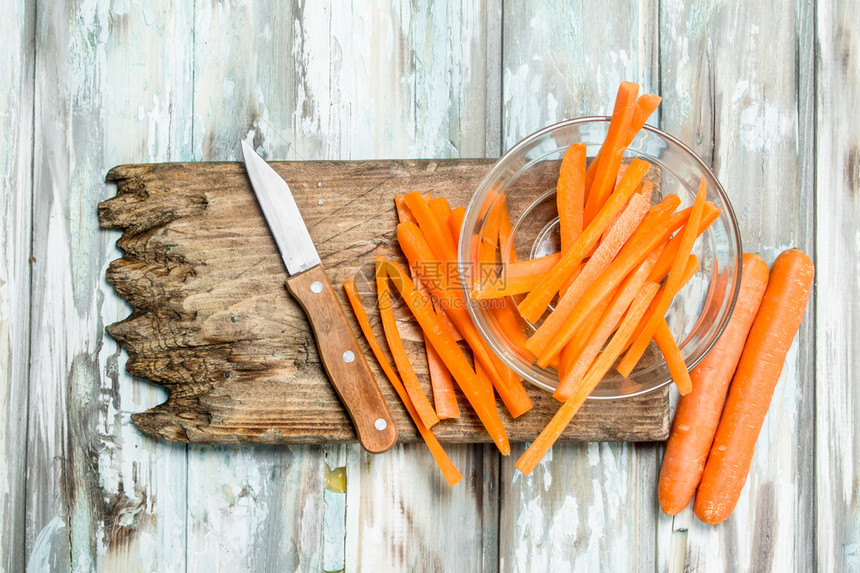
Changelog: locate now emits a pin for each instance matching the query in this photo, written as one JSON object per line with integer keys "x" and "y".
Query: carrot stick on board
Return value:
{"x": 685, "y": 247}
{"x": 455, "y": 222}
{"x": 775, "y": 325}
{"x": 446, "y": 466}
{"x": 398, "y": 352}
{"x": 598, "y": 369}
{"x": 440, "y": 209}
{"x": 403, "y": 212}
{"x": 653, "y": 231}
{"x": 421, "y": 258}
{"x": 451, "y": 355}
{"x": 698, "y": 412}
{"x": 611, "y": 151}
{"x": 606, "y": 325}
{"x": 609, "y": 247}
{"x": 570, "y": 195}
{"x": 534, "y": 305}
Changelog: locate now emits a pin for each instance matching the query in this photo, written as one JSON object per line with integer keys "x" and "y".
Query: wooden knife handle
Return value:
{"x": 343, "y": 360}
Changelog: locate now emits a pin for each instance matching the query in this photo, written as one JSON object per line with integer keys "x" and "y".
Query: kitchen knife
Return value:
{"x": 339, "y": 351}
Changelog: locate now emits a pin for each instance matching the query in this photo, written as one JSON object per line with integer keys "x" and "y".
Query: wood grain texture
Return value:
{"x": 740, "y": 98}
{"x": 112, "y": 83}
{"x": 587, "y": 507}
{"x": 17, "y": 27}
{"x": 213, "y": 323}
{"x": 837, "y": 324}
{"x": 338, "y": 81}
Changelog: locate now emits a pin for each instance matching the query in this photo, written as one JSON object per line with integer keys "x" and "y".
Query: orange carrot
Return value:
{"x": 440, "y": 240}
{"x": 570, "y": 195}
{"x": 672, "y": 354}
{"x": 449, "y": 471}
{"x": 533, "y": 306}
{"x": 609, "y": 247}
{"x": 531, "y": 267}
{"x": 398, "y": 352}
{"x": 421, "y": 258}
{"x": 698, "y": 413}
{"x": 709, "y": 215}
{"x": 452, "y": 356}
{"x": 612, "y": 150}
{"x": 455, "y": 222}
{"x": 440, "y": 209}
{"x": 572, "y": 350}
{"x": 773, "y": 330}
{"x": 506, "y": 247}
{"x": 495, "y": 287}
{"x": 598, "y": 369}
{"x": 403, "y": 212}
{"x": 607, "y": 323}
{"x": 688, "y": 237}
{"x": 444, "y": 399}
{"x": 645, "y": 106}
{"x": 651, "y": 233}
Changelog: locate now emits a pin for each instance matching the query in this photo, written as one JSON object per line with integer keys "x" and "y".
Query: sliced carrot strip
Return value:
{"x": 506, "y": 246}
{"x": 612, "y": 150}
{"x": 534, "y": 305}
{"x": 494, "y": 287}
{"x": 599, "y": 368}
{"x": 420, "y": 256}
{"x": 688, "y": 237}
{"x": 444, "y": 398}
{"x": 677, "y": 368}
{"x": 446, "y": 466}
{"x": 650, "y": 234}
{"x": 398, "y": 352}
{"x": 645, "y": 106}
{"x": 661, "y": 269}
{"x": 531, "y": 267}
{"x": 452, "y": 356}
{"x": 403, "y": 212}
{"x": 609, "y": 247}
{"x": 570, "y": 195}
{"x": 606, "y": 325}
{"x": 455, "y": 222}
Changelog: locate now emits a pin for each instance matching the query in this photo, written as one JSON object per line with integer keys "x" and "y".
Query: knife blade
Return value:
{"x": 339, "y": 351}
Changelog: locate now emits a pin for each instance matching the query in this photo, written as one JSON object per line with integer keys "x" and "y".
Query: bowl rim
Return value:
{"x": 471, "y": 212}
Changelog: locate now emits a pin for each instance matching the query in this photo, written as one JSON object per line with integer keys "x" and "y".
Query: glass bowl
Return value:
{"x": 526, "y": 176}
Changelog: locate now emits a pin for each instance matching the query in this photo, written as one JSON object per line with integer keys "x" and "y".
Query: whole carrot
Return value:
{"x": 775, "y": 326}
{"x": 699, "y": 411}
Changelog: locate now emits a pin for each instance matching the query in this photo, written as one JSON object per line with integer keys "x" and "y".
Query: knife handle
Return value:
{"x": 343, "y": 360}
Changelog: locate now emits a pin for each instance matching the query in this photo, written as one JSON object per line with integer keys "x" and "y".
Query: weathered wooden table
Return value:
{"x": 765, "y": 92}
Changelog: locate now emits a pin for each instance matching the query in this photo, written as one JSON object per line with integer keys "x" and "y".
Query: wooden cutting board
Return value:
{"x": 214, "y": 324}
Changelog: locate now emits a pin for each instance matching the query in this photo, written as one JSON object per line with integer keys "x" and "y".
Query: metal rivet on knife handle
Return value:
{"x": 348, "y": 357}
{"x": 316, "y": 287}
{"x": 380, "y": 424}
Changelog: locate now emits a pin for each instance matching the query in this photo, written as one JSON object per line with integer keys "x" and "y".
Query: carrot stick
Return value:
{"x": 612, "y": 150}
{"x": 570, "y": 195}
{"x": 533, "y": 306}
{"x": 672, "y": 354}
{"x": 531, "y": 267}
{"x": 398, "y": 352}
{"x": 444, "y": 399}
{"x": 452, "y": 356}
{"x": 403, "y": 212}
{"x": 572, "y": 350}
{"x": 607, "y": 323}
{"x": 440, "y": 240}
{"x": 495, "y": 287}
{"x": 506, "y": 246}
{"x": 775, "y": 325}
{"x": 598, "y": 369}
{"x": 699, "y": 411}
{"x": 455, "y": 222}
{"x": 645, "y": 106}
{"x": 690, "y": 270}
{"x": 609, "y": 247}
{"x": 440, "y": 209}
{"x": 709, "y": 215}
{"x": 651, "y": 233}
{"x": 446, "y": 466}
{"x": 688, "y": 237}
{"x": 421, "y": 258}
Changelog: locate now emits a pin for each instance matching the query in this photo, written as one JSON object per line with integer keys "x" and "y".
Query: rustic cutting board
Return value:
{"x": 214, "y": 324}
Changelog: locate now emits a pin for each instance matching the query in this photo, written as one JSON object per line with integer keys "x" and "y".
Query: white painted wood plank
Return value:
{"x": 735, "y": 80}
{"x": 587, "y": 507}
{"x": 837, "y": 335}
{"x": 17, "y": 27}
{"x": 342, "y": 82}
{"x": 112, "y": 86}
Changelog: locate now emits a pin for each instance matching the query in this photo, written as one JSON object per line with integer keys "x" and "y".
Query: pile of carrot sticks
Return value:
{"x": 599, "y": 302}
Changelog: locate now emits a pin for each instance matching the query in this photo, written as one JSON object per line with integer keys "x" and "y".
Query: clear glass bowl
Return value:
{"x": 527, "y": 176}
